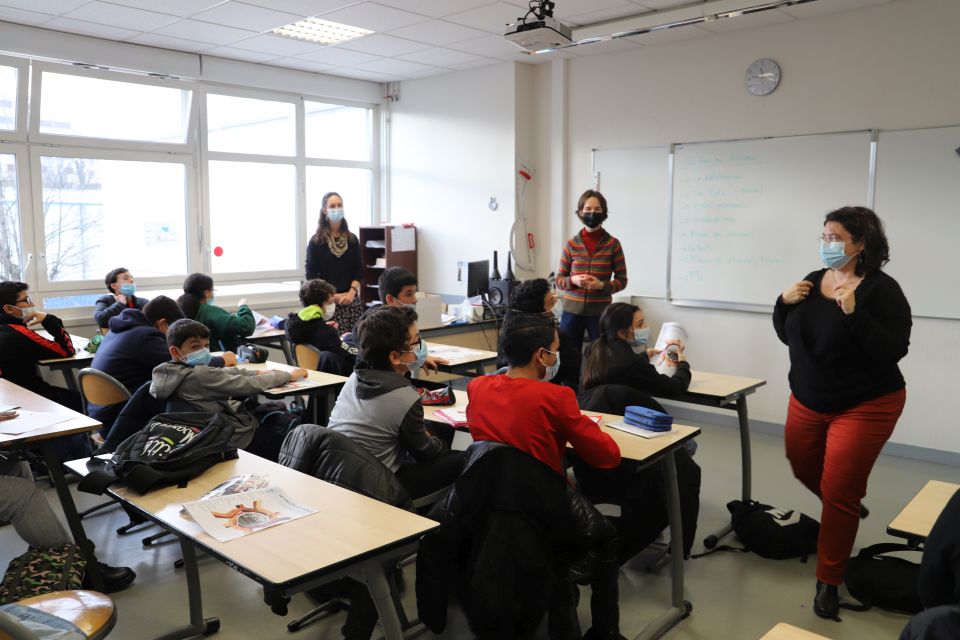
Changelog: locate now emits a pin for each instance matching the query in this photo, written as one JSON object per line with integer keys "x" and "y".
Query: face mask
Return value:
{"x": 641, "y": 337}
{"x": 210, "y": 300}
{"x": 335, "y": 215}
{"x": 421, "y": 353}
{"x": 832, "y": 255}
{"x": 328, "y": 310}
{"x": 27, "y": 312}
{"x": 551, "y": 371}
{"x": 201, "y": 357}
{"x": 128, "y": 289}
{"x": 410, "y": 305}
{"x": 592, "y": 220}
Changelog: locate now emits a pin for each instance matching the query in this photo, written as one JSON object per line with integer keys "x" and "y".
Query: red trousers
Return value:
{"x": 832, "y": 455}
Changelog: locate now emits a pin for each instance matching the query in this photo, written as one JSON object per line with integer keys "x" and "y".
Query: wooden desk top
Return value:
{"x": 80, "y": 359}
{"x": 347, "y": 525}
{"x": 266, "y": 334}
{"x": 11, "y": 394}
{"x": 917, "y": 518}
{"x": 317, "y": 379}
{"x": 785, "y": 631}
{"x": 721, "y": 385}
{"x": 478, "y": 356}
{"x": 631, "y": 447}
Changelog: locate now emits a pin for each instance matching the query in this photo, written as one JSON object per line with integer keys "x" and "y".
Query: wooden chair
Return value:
{"x": 91, "y": 612}
{"x": 97, "y": 387}
{"x": 307, "y": 356}
{"x": 785, "y": 631}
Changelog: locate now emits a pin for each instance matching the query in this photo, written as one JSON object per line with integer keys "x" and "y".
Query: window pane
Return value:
{"x": 245, "y": 125}
{"x": 353, "y": 185}
{"x": 9, "y": 219}
{"x": 253, "y": 216}
{"x": 102, "y": 214}
{"x": 338, "y": 132}
{"x": 8, "y": 98}
{"x": 90, "y": 107}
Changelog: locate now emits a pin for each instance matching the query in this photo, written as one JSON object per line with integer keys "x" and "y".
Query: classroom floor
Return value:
{"x": 735, "y": 596}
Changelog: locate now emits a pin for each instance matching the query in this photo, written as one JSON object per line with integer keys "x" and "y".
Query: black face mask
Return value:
{"x": 592, "y": 220}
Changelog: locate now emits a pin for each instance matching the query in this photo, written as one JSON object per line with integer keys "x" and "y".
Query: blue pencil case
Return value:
{"x": 647, "y": 418}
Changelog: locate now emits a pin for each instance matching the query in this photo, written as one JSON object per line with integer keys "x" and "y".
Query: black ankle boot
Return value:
{"x": 826, "y": 604}
{"x": 864, "y": 512}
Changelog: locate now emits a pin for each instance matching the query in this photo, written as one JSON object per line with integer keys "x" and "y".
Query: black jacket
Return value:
{"x": 940, "y": 567}
{"x": 635, "y": 370}
{"x": 108, "y": 307}
{"x": 131, "y": 350}
{"x": 21, "y": 348}
{"x": 322, "y": 336}
{"x": 339, "y": 272}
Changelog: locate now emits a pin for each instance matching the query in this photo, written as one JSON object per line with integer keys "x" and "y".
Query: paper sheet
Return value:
{"x": 403, "y": 239}
{"x": 235, "y": 516}
{"x": 637, "y": 431}
{"x": 30, "y": 421}
{"x": 448, "y": 352}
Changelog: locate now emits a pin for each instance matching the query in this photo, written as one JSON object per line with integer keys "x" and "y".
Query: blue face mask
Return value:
{"x": 201, "y": 357}
{"x": 421, "y": 354}
{"x": 128, "y": 289}
{"x": 210, "y": 300}
{"x": 832, "y": 255}
{"x": 551, "y": 371}
{"x": 641, "y": 337}
{"x": 335, "y": 215}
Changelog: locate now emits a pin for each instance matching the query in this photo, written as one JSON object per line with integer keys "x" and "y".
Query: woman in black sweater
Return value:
{"x": 334, "y": 255}
{"x": 847, "y": 326}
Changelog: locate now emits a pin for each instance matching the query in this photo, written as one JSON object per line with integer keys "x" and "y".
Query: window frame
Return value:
{"x": 19, "y": 132}
{"x": 24, "y": 202}
{"x": 37, "y": 97}
{"x": 47, "y": 287}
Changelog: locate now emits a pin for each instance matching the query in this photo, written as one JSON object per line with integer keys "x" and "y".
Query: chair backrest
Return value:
{"x": 100, "y": 388}
{"x": 91, "y": 613}
{"x": 307, "y": 356}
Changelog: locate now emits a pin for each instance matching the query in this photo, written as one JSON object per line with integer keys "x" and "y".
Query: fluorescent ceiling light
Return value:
{"x": 320, "y": 31}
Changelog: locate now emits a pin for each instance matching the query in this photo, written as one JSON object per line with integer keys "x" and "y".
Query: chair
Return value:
{"x": 91, "y": 613}
{"x": 307, "y": 356}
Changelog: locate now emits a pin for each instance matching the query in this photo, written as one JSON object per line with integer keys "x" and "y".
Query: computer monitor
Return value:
{"x": 478, "y": 278}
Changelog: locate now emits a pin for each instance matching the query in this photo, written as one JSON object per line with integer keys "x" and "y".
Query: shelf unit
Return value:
{"x": 376, "y": 243}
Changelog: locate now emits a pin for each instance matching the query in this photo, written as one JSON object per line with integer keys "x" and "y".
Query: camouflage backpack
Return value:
{"x": 43, "y": 570}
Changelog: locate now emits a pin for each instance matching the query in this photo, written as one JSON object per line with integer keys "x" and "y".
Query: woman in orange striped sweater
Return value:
{"x": 592, "y": 269}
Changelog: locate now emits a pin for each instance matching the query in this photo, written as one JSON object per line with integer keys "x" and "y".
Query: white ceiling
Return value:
{"x": 414, "y": 38}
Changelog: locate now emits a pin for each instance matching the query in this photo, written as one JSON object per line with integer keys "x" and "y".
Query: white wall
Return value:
{"x": 890, "y": 66}
{"x": 452, "y": 148}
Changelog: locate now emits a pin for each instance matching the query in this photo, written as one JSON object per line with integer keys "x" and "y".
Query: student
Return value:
{"x": 227, "y": 330}
{"x": 398, "y": 288}
{"x": 592, "y": 269}
{"x": 189, "y": 380}
{"x": 22, "y": 503}
{"x": 21, "y": 347}
{"x": 380, "y": 409}
{"x": 122, "y": 288}
{"x": 536, "y": 296}
{"x": 621, "y": 356}
{"x": 521, "y": 409}
{"x": 334, "y": 254}
{"x": 940, "y": 566}
{"x": 311, "y": 326}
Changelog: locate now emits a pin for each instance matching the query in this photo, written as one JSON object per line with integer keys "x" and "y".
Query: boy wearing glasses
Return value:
{"x": 380, "y": 409}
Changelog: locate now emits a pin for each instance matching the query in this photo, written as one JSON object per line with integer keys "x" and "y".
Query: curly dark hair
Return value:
{"x": 316, "y": 292}
{"x": 867, "y": 227}
{"x": 381, "y": 331}
{"x": 524, "y": 334}
{"x": 528, "y": 296}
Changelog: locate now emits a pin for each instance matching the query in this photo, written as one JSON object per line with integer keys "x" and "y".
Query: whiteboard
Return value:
{"x": 918, "y": 198}
{"x": 636, "y": 184}
{"x": 747, "y": 214}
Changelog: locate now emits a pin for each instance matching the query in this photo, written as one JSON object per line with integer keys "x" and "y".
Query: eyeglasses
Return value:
{"x": 28, "y": 299}
{"x": 831, "y": 238}
{"x": 415, "y": 345}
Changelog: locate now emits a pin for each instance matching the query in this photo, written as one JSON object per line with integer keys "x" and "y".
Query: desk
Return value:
{"x": 349, "y": 534}
{"x": 276, "y": 338}
{"x": 647, "y": 451}
{"x": 325, "y": 386}
{"x": 726, "y": 392}
{"x": 473, "y": 362}
{"x": 785, "y": 631}
{"x": 916, "y": 519}
{"x": 69, "y": 366}
{"x": 11, "y": 394}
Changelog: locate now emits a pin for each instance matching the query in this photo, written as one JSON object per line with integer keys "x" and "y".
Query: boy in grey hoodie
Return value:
{"x": 379, "y": 408}
{"x": 190, "y": 382}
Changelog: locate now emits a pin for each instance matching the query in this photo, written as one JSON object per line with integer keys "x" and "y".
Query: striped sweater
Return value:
{"x": 604, "y": 263}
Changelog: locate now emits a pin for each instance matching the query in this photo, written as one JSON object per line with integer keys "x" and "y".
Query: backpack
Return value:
{"x": 43, "y": 570}
{"x": 274, "y": 422}
{"x": 774, "y": 533}
{"x": 172, "y": 448}
{"x": 884, "y": 581}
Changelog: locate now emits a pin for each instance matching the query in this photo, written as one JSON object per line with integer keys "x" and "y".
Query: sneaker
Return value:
{"x": 114, "y": 578}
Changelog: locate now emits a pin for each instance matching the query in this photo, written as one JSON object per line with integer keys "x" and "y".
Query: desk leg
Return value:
{"x": 70, "y": 511}
{"x": 376, "y": 580}
{"x": 481, "y": 371}
{"x": 287, "y": 351}
{"x": 746, "y": 471}
{"x": 70, "y": 379}
{"x": 679, "y": 608}
{"x": 198, "y": 625}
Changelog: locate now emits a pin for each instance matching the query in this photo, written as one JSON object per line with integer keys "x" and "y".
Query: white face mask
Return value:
{"x": 328, "y": 310}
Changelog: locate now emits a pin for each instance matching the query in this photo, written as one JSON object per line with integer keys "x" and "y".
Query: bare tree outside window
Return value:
{"x": 72, "y": 213}
{"x": 10, "y": 250}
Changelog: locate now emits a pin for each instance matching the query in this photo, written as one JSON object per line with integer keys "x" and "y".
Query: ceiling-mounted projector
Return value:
{"x": 538, "y": 29}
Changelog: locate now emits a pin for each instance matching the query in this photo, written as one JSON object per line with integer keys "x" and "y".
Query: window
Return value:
{"x": 338, "y": 132}
{"x": 8, "y": 98}
{"x": 94, "y": 108}
{"x": 10, "y": 253}
{"x": 99, "y": 214}
{"x": 253, "y": 217}
{"x": 353, "y": 185}
{"x": 246, "y": 125}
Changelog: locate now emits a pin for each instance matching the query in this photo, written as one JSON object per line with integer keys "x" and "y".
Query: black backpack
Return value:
{"x": 771, "y": 532}
{"x": 888, "y": 582}
{"x": 172, "y": 448}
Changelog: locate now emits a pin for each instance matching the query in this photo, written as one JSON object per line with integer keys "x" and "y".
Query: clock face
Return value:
{"x": 762, "y": 77}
